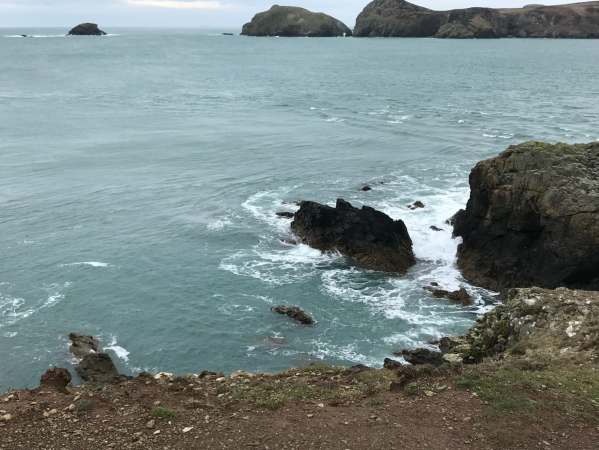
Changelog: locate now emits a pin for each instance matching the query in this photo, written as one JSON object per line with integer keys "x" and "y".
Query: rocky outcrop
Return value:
{"x": 533, "y": 218}
{"x": 93, "y": 365}
{"x": 290, "y": 21}
{"x": 369, "y": 237}
{"x": 403, "y": 19}
{"x": 56, "y": 378}
{"x": 537, "y": 323}
{"x": 86, "y": 29}
{"x": 420, "y": 356}
{"x": 294, "y": 313}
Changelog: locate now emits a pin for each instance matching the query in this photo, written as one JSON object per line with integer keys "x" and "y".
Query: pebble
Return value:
{"x": 150, "y": 424}
{"x": 6, "y": 417}
{"x": 187, "y": 429}
{"x": 157, "y": 432}
{"x": 309, "y": 416}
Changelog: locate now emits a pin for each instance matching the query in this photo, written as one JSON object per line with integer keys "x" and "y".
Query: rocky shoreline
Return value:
{"x": 531, "y": 218}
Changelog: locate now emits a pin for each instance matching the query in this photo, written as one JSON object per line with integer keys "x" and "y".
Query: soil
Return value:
{"x": 314, "y": 408}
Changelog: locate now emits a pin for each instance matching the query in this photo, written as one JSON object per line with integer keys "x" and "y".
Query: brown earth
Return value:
{"x": 318, "y": 407}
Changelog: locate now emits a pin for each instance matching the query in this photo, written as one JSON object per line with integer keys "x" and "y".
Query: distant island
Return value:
{"x": 86, "y": 29}
{"x": 291, "y": 21}
{"x": 399, "y": 18}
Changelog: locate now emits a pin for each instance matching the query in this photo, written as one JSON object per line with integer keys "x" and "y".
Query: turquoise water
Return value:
{"x": 140, "y": 175}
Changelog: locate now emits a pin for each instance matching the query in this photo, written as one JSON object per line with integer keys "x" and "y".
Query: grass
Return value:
{"x": 569, "y": 389}
{"x": 161, "y": 412}
{"x": 315, "y": 383}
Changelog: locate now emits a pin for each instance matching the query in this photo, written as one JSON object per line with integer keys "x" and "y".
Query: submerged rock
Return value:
{"x": 56, "y": 378}
{"x": 369, "y": 237}
{"x": 403, "y": 19}
{"x": 291, "y": 21}
{"x": 86, "y": 29}
{"x": 295, "y": 313}
{"x": 365, "y": 188}
{"x": 416, "y": 205}
{"x": 533, "y": 218}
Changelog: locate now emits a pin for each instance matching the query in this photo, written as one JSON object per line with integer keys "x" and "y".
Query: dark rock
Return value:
{"x": 295, "y": 313}
{"x": 416, "y": 205}
{"x": 94, "y": 365}
{"x": 86, "y": 29}
{"x": 460, "y": 296}
{"x": 422, "y": 356}
{"x": 391, "y": 364}
{"x": 358, "y": 368}
{"x": 82, "y": 345}
{"x": 285, "y": 214}
{"x": 97, "y": 368}
{"x": 291, "y": 21}
{"x": 533, "y": 218}
{"x": 366, "y": 188}
{"x": 56, "y": 378}
{"x": 369, "y": 237}
{"x": 434, "y": 228}
{"x": 403, "y": 19}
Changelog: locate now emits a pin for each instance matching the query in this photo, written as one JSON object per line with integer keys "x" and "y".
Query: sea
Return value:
{"x": 141, "y": 174}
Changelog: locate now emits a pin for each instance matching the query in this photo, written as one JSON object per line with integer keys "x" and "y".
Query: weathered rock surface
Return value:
{"x": 86, "y": 29}
{"x": 94, "y": 365}
{"x": 369, "y": 237}
{"x": 294, "y": 313}
{"x": 290, "y": 21}
{"x": 285, "y": 214}
{"x": 533, "y": 218}
{"x": 403, "y": 19}
{"x": 56, "y": 378}
{"x": 537, "y": 323}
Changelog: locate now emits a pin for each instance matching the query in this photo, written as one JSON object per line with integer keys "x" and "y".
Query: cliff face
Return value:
{"x": 533, "y": 218}
{"x": 291, "y": 21}
{"x": 387, "y": 18}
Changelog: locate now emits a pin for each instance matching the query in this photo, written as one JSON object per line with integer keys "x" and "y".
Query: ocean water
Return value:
{"x": 140, "y": 175}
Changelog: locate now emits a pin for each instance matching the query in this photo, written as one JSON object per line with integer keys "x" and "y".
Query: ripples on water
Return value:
{"x": 140, "y": 176}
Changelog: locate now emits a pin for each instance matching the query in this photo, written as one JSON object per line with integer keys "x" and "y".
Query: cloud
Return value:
{"x": 179, "y": 4}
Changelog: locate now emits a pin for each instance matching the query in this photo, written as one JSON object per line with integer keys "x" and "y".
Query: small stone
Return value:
{"x": 187, "y": 429}
{"x": 157, "y": 402}
{"x": 150, "y": 424}
{"x": 321, "y": 405}
{"x": 6, "y": 417}
{"x": 71, "y": 407}
{"x": 220, "y": 380}
{"x": 429, "y": 393}
{"x": 309, "y": 416}
{"x": 157, "y": 432}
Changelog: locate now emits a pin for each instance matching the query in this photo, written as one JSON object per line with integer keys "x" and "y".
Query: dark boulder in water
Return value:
{"x": 366, "y": 188}
{"x": 294, "y": 313}
{"x": 460, "y": 296}
{"x": 369, "y": 237}
{"x": 416, "y": 205}
{"x": 291, "y": 21}
{"x": 285, "y": 214}
{"x": 533, "y": 218}
{"x": 86, "y": 29}
{"x": 94, "y": 365}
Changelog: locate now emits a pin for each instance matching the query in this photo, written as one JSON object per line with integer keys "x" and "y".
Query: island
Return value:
{"x": 399, "y": 18}
{"x": 86, "y": 29}
{"x": 291, "y": 21}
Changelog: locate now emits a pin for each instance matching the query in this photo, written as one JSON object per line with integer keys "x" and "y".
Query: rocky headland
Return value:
{"x": 533, "y": 218}
{"x": 291, "y": 21}
{"x": 399, "y": 18}
{"x": 86, "y": 29}
{"x": 368, "y": 237}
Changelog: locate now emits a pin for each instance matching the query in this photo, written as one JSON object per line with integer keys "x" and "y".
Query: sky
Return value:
{"x": 206, "y": 14}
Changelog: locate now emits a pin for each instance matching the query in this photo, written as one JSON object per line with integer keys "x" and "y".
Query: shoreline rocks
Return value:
{"x": 399, "y": 18}
{"x": 94, "y": 365}
{"x": 291, "y": 21}
{"x": 533, "y": 218}
{"x": 369, "y": 237}
{"x": 460, "y": 296}
{"x": 86, "y": 29}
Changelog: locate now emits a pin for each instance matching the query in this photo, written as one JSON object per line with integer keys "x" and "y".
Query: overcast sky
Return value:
{"x": 188, "y": 13}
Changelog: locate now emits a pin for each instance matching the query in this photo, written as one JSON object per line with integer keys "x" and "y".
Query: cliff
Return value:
{"x": 399, "y": 18}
